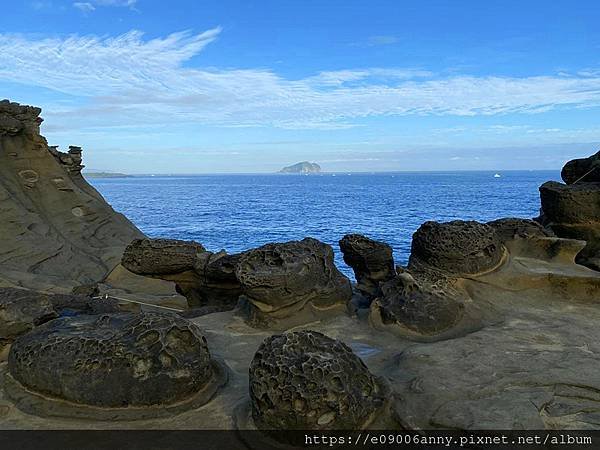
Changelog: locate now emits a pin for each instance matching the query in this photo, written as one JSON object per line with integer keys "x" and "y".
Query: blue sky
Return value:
{"x": 249, "y": 86}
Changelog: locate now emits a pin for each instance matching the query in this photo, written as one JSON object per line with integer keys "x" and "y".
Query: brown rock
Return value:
{"x": 57, "y": 232}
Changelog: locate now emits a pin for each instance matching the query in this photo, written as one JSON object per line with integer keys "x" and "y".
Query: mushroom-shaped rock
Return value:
{"x": 203, "y": 277}
{"x": 371, "y": 261}
{"x": 21, "y": 310}
{"x": 305, "y": 380}
{"x": 582, "y": 170}
{"x": 573, "y": 212}
{"x": 282, "y": 280}
{"x": 456, "y": 248}
{"x": 112, "y": 361}
{"x": 408, "y": 307}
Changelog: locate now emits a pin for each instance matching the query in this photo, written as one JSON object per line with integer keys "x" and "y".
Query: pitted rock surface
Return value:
{"x": 276, "y": 276}
{"x": 21, "y": 310}
{"x": 371, "y": 261}
{"x": 417, "y": 307}
{"x": 582, "y": 170}
{"x": 113, "y": 360}
{"x": 456, "y": 248}
{"x": 305, "y": 380}
{"x": 511, "y": 228}
{"x": 206, "y": 279}
{"x": 161, "y": 256}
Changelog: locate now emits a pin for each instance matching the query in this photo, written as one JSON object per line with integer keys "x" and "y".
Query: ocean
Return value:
{"x": 238, "y": 212}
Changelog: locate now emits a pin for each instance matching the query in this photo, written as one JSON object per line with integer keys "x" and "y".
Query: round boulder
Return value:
{"x": 280, "y": 279}
{"x": 113, "y": 360}
{"x": 409, "y": 306}
{"x": 305, "y": 380}
{"x": 456, "y": 248}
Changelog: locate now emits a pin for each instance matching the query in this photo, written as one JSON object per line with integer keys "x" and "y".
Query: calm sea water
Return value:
{"x": 238, "y": 212}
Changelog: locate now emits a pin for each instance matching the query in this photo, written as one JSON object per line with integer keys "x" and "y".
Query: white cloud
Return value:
{"x": 115, "y": 2}
{"x": 91, "y": 5}
{"x": 86, "y": 7}
{"x": 132, "y": 80}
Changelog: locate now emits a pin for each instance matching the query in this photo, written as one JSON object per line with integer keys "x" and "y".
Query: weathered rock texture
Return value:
{"x": 582, "y": 170}
{"x": 573, "y": 211}
{"x": 113, "y": 360}
{"x": 305, "y": 380}
{"x": 456, "y": 248}
{"x": 57, "y": 232}
{"x": 512, "y": 228}
{"x": 21, "y": 310}
{"x": 203, "y": 277}
{"x": 416, "y": 308}
{"x": 371, "y": 261}
{"x": 290, "y": 280}
{"x": 426, "y": 301}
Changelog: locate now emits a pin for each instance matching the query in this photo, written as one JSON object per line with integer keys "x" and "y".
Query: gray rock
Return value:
{"x": 22, "y": 310}
{"x": 418, "y": 308}
{"x": 281, "y": 280}
{"x": 113, "y": 360}
{"x": 371, "y": 261}
{"x": 511, "y": 228}
{"x": 582, "y": 170}
{"x": 456, "y": 248}
{"x": 161, "y": 256}
{"x": 203, "y": 277}
{"x": 305, "y": 380}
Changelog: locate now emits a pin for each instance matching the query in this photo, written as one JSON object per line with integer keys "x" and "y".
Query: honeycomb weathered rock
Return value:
{"x": 456, "y": 248}
{"x": 286, "y": 276}
{"x": 113, "y": 360}
{"x": 305, "y": 380}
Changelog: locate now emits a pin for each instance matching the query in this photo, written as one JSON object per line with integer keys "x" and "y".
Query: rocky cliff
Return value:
{"x": 56, "y": 232}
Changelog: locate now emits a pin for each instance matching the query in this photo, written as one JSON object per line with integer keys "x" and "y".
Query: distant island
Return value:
{"x": 105, "y": 175}
{"x": 303, "y": 167}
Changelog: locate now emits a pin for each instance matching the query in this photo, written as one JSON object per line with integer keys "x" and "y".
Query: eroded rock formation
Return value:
{"x": 295, "y": 281}
{"x": 426, "y": 300}
{"x": 456, "y": 248}
{"x": 113, "y": 360}
{"x": 582, "y": 170}
{"x": 573, "y": 210}
{"x": 203, "y": 277}
{"x": 371, "y": 261}
{"x": 21, "y": 311}
{"x": 305, "y": 380}
{"x": 57, "y": 232}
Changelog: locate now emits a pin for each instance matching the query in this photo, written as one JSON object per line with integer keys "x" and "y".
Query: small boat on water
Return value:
{"x": 497, "y": 175}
